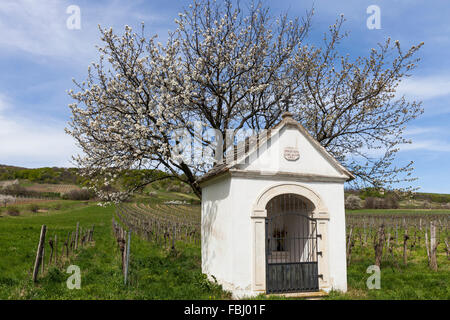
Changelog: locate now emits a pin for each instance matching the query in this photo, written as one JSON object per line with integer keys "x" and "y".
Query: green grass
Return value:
{"x": 161, "y": 196}
{"x": 19, "y": 237}
{"x": 158, "y": 273}
{"x": 413, "y": 281}
{"x": 155, "y": 273}
{"x": 44, "y": 205}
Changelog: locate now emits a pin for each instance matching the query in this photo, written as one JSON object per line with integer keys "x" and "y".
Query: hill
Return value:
{"x": 40, "y": 175}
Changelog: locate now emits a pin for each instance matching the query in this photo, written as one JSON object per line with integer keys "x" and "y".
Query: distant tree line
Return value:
{"x": 433, "y": 197}
{"x": 376, "y": 198}
{"x": 353, "y": 202}
{"x": 56, "y": 175}
{"x": 41, "y": 175}
{"x": 19, "y": 191}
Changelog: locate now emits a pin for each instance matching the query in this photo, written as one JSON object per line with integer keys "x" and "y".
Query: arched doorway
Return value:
{"x": 316, "y": 210}
{"x": 291, "y": 245}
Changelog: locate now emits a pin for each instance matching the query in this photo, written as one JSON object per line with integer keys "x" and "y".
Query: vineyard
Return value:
{"x": 75, "y": 239}
{"x": 156, "y": 271}
{"x": 29, "y": 200}
{"x": 393, "y": 237}
{"x": 162, "y": 223}
{"x": 396, "y": 237}
{"x": 54, "y": 188}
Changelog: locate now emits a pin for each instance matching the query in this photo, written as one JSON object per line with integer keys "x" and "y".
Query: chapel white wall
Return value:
{"x": 246, "y": 191}
{"x": 216, "y": 231}
{"x": 270, "y": 156}
{"x": 227, "y": 242}
{"x": 227, "y": 205}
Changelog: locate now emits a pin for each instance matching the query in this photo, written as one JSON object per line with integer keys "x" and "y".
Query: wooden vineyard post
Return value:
{"x": 379, "y": 244}
{"x": 80, "y": 236}
{"x": 71, "y": 243}
{"x": 67, "y": 244}
{"x": 165, "y": 237}
{"x": 448, "y": 248}
{"x": 420, "y": 230}
{"x": 365, "y": 232}
{"x": 405, "y": 247}
{"x": 174, "y": 234}
{"x": 127, "y": 260}
{"x": 415, "y": 237}
{"x": 50, "y": 243}
{"x": 405, "y": 242}
{"x": 122, "y": 247}
{"x": 388, "y": 240}
{"x": 433, "y": 246}
{"x": 76, "y": 236}
{"x": 62, "y": 249}
{"x": 360, "y": 238}
{"x": 40, "y": 249}
{"x": 91, "y": 234}
{"x": 43, "y": 258}
{"x": 349, "y": 244}
{"x": 426, "y": 244}
{"x": 396, "y": 234}
{"x": 56, "y": 249}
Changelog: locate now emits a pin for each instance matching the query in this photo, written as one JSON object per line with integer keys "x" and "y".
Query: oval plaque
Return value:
{"x": 291, "y": 154}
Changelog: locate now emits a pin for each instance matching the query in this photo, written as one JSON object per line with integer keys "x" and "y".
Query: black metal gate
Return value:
{"x": 291, "y": 246}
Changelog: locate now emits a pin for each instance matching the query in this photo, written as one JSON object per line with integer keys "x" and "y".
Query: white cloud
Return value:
{"x": 413, "y": 131}
{"x": 39, "y": 27}
{"x": 34, "y": 143}
{"x": 428, "y": 138}
{"x": 428, "y": 145}
{"x": 425, "y": 88}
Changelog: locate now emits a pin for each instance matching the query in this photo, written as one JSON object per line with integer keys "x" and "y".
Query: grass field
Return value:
{"x": 158, "y": 273}
{"x": 43, "y": 205}
{"x": 413, "y": 281}
{"x": 155, "y": 273}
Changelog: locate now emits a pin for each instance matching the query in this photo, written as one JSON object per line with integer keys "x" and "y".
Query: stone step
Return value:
{"x": 306, "y": 295}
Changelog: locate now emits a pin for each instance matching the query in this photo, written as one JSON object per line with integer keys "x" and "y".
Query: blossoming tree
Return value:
{"x": 5, "y": 199}
{"x": 231, "y": 69}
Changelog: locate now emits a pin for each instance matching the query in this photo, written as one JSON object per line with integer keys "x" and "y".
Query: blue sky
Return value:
{"x": 39, "y": 56}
